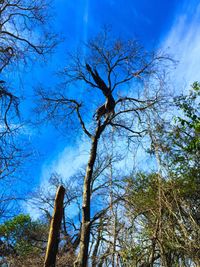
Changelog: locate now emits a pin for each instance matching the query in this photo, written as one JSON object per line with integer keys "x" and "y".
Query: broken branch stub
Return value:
{"x": 54, "y": 232}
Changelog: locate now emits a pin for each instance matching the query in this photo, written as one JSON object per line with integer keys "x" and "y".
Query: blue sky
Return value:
{"x": 145, "y": 20}
{"x": 171, "y": 25}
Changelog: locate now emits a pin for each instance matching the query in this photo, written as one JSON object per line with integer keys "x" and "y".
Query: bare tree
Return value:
{"x": 24, "y": 34}
{"x": 19, "y": 37}
{"x": 109, "y": 65}
{"x": 19, "y": 40}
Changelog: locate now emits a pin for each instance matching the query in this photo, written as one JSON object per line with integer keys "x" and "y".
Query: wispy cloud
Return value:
{"x": 66, "y": 162}
{"x": 86, "y": 10}
{"x": 183, "y": 42}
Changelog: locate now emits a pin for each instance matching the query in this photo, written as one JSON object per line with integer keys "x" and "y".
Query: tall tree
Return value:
{"x": 106, "y": 66}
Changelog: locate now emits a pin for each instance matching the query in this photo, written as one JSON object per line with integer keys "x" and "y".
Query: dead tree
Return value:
{"x": 54, "y": 232}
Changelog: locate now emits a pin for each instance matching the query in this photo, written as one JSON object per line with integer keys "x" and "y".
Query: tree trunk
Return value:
{"x": 85, "y": 225}
{"x": 54, "y": 232}
{"x": 96, "y": 247}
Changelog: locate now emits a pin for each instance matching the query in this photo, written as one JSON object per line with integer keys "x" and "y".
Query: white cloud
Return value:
{"x": 67, "y": 162}
{"x": 183, "y": 42}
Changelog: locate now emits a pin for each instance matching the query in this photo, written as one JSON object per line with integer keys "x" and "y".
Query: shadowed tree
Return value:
{"x": 24, "y": 35}
{"x": 24, "y": 30}
{"x": 20, "y": 21}
{"x": 109, "y": 71}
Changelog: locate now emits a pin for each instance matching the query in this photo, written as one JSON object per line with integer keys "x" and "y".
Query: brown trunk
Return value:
{"x": 114, "y": 238}
{"x": 54, "y": 232}
{"x": 85, "y": 225}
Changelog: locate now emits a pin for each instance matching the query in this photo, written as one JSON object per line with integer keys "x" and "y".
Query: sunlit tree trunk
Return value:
{"x": 54, "y": 232}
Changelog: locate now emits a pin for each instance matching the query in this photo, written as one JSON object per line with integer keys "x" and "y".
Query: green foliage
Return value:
{"x": 15, "y": 226}
{"x": 142, "y": 190}
{"x": 171, "y": 221}
{"x": 190, "y": 122}
{"x": 164, "y": 211}
{"x": 22, "y": 234}
{"x": 184, "y": 137}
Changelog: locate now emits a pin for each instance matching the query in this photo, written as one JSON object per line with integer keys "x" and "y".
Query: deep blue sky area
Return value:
{"x": 152, "y": 22}
{"x": 78, "y": 20}
{"x": 146, "y": 20}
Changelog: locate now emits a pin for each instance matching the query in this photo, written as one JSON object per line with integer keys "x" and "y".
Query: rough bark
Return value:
{"x": 54, "y": 232}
